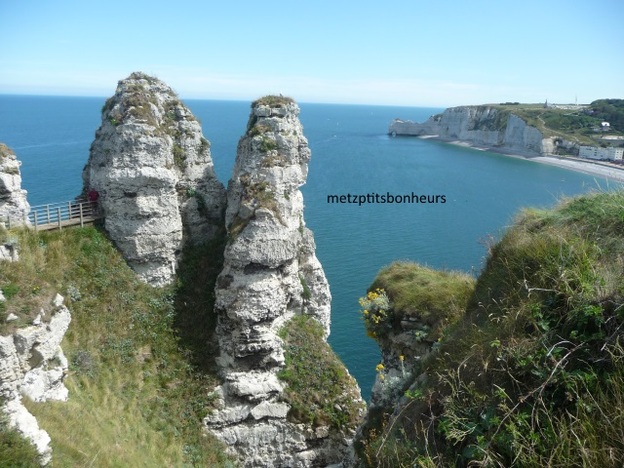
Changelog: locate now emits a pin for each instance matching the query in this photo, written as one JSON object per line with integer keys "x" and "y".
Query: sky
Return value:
{"x": 407, "y": 53}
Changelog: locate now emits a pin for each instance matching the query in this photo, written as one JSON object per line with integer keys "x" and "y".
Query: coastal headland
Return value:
{"x": 578, "y": 138}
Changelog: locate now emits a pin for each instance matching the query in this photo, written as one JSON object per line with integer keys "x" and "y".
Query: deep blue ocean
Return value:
{"x": 351, "y": 154}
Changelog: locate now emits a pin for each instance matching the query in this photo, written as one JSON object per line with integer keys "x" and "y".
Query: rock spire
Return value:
{"x": 270, "y": 275}
{"x": 151, "y": 169}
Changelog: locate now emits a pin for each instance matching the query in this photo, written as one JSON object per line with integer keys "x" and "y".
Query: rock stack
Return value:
{"x": 270, "y": 274}
{"x": 151, "y": 171}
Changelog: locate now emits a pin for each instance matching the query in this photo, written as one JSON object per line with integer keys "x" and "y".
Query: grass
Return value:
{"x": 272, "y": 101}
{"x": 5, "y": 151}
{"x": 532, "y": 373}
{"x": 319, "y": 389}
{"x": 433, "y": 297}
{"x": 136, "y": 396}
{"x": 260, "y": 192}
{"x": 495, "y": 121}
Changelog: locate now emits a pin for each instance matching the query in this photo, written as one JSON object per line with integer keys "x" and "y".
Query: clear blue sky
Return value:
{"x": 410, "y": 52}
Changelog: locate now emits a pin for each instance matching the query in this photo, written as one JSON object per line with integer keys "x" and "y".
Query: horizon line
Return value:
{"x": 93, "y": 96}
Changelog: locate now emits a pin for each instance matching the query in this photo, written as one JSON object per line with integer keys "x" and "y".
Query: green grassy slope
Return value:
{"x": 532, "y": 373}
{"x": 138, "y": 389}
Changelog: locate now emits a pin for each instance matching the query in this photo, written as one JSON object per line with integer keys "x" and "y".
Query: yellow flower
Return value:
{"x": 402, "y": 358}
{"x": 379, "y": 367}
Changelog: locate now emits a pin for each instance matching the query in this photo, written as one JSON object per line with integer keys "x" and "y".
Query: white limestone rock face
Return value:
{"x": 14, "y": 207}
{"x": 151, "y": 167}
{"x": 32, "y": 365}
{"x": 270, "y": 274}
{"x": 483, "y": 126}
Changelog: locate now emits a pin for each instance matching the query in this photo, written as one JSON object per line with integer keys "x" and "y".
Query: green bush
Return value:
{"x": 272, "y": 101}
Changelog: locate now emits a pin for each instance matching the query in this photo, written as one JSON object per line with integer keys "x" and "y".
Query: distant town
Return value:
{"x": 611, "y": 147}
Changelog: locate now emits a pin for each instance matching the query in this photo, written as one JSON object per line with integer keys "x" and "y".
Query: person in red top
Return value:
{"x": 93, "y": 196}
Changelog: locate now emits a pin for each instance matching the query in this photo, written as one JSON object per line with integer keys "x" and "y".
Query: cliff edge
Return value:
{"x": 522, "y": 367}
{"x": 33, "y": 366}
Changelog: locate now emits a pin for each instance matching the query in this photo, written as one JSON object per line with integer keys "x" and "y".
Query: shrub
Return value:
{"x": 376, "y": 313}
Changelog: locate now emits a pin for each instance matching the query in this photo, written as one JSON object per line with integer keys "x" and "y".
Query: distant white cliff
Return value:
{"x": 483, "y": 126}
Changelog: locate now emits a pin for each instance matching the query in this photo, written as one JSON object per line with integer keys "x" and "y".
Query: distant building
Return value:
{"x": 605, "y": 126}
{"x": 595, "y": 152}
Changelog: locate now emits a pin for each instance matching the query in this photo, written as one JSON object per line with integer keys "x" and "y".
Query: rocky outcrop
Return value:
{"x": 32, "y": 365}
{"x": 14, "y": 207}
{"x": 270, "y": 274}
{"x": 483, "y": 126}
{"x": 151, "y": 169}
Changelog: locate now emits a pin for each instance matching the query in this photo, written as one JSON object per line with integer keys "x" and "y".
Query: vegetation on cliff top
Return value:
{"x": 138, "y": 391}
{"x": 272, "y": 101}
{"x": 532, "y": 374}
{"x": 575, "y": 124}
{"x": 414, "y": 293}
{"x": 319, "y": 389}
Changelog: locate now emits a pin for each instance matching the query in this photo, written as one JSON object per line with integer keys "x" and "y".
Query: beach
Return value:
{"x": 597, "y": 168}
{"x": 611, "y": 172}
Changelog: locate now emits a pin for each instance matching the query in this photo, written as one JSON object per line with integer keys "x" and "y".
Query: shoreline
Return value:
{"x": 599, "y": 169}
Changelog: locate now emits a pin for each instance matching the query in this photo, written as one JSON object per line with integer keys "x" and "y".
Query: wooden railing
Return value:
{"x": 59, "y": 215}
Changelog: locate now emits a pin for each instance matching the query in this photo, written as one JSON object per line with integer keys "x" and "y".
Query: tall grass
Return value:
{"x": 136, "y": 399}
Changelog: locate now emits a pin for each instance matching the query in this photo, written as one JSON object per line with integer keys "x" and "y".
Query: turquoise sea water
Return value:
{"x": 351, "y": 154}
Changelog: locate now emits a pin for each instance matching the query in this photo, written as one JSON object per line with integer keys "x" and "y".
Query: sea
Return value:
{"x": 352, "y": 154}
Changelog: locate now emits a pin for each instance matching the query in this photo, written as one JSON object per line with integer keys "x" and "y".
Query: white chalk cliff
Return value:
{"x": 270, "y": 274}
{"x": 32, "y": 365}
{"x": 482, "y": 126}
{"x": 152, "y": 170}
{"x": 13, "y": 205}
